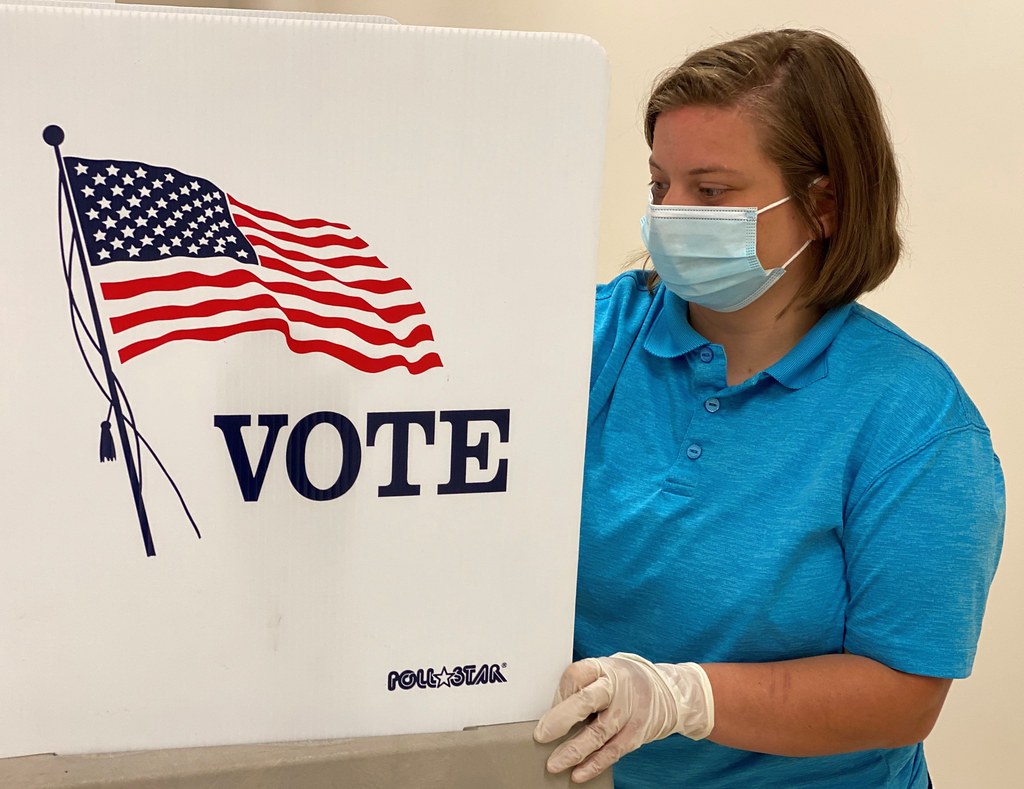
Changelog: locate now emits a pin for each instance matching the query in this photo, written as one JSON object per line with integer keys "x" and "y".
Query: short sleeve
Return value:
{"x": 921, "y": 547}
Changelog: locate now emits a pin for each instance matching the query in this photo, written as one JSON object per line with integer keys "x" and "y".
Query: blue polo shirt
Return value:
{"x": 846, "y": 498}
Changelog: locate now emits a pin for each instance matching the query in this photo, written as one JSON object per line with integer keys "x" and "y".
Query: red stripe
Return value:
{"x": 371, "y": 285}
{"x": 299, "y": 223}
{"x": 317, "y": 242}
{"x": 342, "y": 261}
{"x": 350, "y": 357}
{"x": 232, "y": 279}
{"x": 205, "y": 309}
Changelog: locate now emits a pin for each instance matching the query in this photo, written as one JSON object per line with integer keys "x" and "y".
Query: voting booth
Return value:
{"x": 296, "y": 347}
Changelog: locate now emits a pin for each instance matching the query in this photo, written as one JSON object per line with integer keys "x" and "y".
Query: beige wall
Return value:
{"x": 949, "y": 75}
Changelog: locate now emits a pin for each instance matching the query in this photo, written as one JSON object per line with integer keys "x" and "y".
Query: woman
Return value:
{"x": 792, "y": 512}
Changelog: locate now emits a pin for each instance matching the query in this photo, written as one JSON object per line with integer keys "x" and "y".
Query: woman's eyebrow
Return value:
{"x": 713, "y": 168}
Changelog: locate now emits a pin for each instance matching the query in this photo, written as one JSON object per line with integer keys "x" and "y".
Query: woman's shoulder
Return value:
{"x": 628, "y": 287}
{"x": 885, "y": 359}
{"x": 623, "y": 308}
{"x": 622, "y": 305}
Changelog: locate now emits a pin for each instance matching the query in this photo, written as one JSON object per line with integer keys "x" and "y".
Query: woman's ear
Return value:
{"x": 823, "y": 200}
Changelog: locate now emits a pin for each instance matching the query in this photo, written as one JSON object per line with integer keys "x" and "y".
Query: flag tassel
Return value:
{"x": 107, "y": 449}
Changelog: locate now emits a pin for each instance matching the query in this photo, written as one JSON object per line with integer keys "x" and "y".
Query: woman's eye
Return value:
{"x": 658, "y": 189}
{"x": 711, "y": 192}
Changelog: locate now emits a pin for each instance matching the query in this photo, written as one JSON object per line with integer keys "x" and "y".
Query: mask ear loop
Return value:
{"x": 774, "y": 205}
{"x": 807, "y": 243}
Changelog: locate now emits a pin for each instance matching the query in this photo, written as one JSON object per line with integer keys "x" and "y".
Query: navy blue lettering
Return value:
{"x": 462, "y": 451}
{"x": 250, "y": 482}
{"x": 400, "y": 422}
{"x": 296, "y": 456}
{"x": 407, "y": 679}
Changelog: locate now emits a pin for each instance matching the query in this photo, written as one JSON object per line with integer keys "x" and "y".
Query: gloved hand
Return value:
{"x": 636, "y": 702}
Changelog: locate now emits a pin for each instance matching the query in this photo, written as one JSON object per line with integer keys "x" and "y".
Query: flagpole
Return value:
{"x": 54, "y": 135}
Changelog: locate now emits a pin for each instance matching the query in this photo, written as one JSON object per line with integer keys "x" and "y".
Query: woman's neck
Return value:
{"x": 755, "y": 337}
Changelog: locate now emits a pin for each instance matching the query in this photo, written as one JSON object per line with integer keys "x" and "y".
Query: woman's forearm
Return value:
{"x": 821, "y": 705}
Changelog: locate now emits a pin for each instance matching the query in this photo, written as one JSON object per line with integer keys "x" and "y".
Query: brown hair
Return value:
{"x": 817, "y": 114}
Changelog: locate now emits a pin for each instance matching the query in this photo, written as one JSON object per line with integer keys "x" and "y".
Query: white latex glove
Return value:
{"x": 635, "y": 702}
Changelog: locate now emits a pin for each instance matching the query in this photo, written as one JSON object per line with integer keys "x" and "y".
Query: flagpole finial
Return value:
{"x": 53, "y": 135}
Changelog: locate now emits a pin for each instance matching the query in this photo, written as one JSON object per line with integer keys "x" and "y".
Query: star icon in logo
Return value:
{"x": 444, "y": 677}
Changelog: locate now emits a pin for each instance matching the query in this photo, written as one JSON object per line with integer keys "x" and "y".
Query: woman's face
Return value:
{"x": 711, "y": 156}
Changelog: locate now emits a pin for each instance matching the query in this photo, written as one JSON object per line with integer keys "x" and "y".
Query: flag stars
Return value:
{"x": 148, "y": 214}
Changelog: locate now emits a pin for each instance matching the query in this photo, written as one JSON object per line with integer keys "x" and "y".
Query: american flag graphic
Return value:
{"x": 188, "y": 261}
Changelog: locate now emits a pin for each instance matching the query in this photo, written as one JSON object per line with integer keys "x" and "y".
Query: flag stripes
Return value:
{"x": 178, "y": 259}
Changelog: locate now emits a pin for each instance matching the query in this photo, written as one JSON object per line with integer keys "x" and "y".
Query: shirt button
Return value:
{"x": 706, "y": 355}
{"x": 711, "y": 405}
{"x": 693, "y": 451}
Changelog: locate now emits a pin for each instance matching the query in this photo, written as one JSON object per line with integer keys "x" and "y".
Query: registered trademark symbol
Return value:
{"x": 504, "y": 665}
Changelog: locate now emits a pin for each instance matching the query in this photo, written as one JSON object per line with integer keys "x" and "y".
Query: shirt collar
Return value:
{"x": 671, "y": 335}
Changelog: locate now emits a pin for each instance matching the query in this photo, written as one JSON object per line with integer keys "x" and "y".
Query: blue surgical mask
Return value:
{"x": 707, "y": 255}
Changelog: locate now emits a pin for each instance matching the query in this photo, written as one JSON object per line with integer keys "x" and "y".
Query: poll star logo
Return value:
{"x": 429, "y": 678}
{"x": 187, "y": 261}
